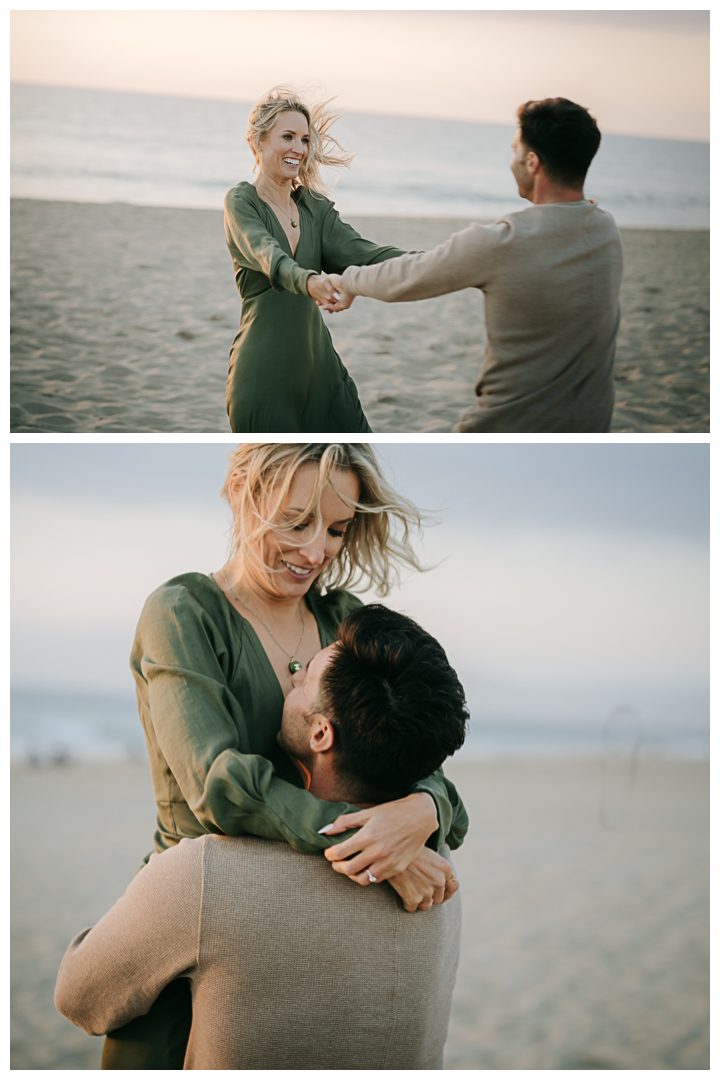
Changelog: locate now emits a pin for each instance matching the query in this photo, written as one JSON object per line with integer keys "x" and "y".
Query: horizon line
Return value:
{"x": 353, "y": 112}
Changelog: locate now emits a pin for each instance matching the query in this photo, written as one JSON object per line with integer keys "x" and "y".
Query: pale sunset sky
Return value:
{"x": 639, "y": 72}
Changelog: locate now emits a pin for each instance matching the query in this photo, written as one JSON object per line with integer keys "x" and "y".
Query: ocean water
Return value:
{"x": 61, "y": 727}
{"x": 101, "y": 146}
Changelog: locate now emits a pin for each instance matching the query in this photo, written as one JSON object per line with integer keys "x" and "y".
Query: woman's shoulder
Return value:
{"x": 334, "y": 605}
{"x": 317, "y": 204}
{"x": 186, "y": 593}
{"x": 242, "y": 196}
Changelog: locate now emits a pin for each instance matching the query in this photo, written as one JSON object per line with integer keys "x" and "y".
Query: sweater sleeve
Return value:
{"x": 113, "y": 972}
{"x": 343, "y": 246}
{"x": 254, "y": 248}
{"x": 462, "y": 262}
{"x": 202, "y": 734}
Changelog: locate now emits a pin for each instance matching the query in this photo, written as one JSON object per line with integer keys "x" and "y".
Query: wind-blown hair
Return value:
{"x": 323, "y": 148}
{"x": 377, "y": 540}
{"x": 396, "y": 705}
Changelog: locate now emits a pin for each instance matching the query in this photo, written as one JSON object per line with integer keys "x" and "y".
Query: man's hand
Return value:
{"x": 390, "y": 838}
{"x": 341, "y": 301}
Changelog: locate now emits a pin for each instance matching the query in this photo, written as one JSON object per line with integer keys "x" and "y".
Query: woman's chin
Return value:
{"x": 298, "y": 586}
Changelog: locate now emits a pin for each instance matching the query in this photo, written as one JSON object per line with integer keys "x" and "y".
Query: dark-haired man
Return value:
{"x": 291, "y": 965}
{"x": 551, "y": 278}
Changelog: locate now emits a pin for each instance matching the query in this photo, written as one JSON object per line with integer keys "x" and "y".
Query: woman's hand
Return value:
{"x": 321, "y": 288}
{"x": 341, "y": 300}
{"x": 390, "y": 838}
{"x": 428, "y": 880}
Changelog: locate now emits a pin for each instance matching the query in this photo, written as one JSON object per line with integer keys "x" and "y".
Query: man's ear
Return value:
{"x": 532, "y": 162}
{"x": 322, "y": 734}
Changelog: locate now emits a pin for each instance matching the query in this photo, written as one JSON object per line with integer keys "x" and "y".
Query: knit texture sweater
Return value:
{"x": 551, "y": 278}
{"x": 292, "y": 965}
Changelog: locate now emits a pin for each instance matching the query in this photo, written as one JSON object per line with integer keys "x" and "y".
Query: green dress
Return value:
{"x": 284, "y": 373}
{"x": 211, "y": 706}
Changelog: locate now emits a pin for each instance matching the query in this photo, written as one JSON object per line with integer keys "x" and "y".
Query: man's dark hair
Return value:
{"x": 563, "y": 135}
{"x": 396, "y": 706}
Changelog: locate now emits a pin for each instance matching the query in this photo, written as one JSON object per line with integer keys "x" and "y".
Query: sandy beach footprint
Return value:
{"x": 122, "y": 319}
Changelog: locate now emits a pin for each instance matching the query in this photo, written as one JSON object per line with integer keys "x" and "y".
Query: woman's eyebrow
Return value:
{"x": 297, "y": 510}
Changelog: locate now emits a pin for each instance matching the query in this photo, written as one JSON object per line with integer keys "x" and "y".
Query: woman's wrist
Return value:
{"x": 426, "y": 811}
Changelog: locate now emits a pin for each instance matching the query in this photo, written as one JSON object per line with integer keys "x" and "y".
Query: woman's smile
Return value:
{"x": 300, "y": 572}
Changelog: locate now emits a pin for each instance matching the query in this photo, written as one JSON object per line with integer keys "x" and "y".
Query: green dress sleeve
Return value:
{"x": 255, "y": 248}
{"x": 196, "y": 729}
{"x": 452, "y": 817}
{"x": 343, "y": 246}
{"x": 201, "y": 746}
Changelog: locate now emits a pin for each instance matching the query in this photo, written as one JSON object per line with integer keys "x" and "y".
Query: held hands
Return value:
{"x": 327, "y": 292}
{"x": 320, "y": 287}
{"x": 391, "y": 836}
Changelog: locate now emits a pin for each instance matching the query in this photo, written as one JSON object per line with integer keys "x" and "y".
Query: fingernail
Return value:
{"x": 326, "y": 828}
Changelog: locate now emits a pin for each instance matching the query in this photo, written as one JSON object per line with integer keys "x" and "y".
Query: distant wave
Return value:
{"x": 100, "y": 146}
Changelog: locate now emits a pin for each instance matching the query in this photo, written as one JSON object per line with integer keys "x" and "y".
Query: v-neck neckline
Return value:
{"x": 255, "y": 637}
{"x": 293, "y": 254}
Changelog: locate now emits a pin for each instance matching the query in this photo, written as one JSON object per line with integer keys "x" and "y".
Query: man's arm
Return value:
{"x": 464, "y": 261}
{"x": 113, "y": 972}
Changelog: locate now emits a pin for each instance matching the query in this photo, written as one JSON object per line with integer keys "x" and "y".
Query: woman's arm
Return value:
{"x": 196, "y": 730}
{"x": 197, "y": 733}
{"x": 254, "y": 247}
{"x": 452, "y": 816}
{"x": 428, "y": 880}
{"x": 343, "y": 246}
{"x": 392, "y": 835}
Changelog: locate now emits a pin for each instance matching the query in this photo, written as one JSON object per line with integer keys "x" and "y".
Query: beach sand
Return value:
{"x": 123, "y": 317}
{"x": 585, "y": 909}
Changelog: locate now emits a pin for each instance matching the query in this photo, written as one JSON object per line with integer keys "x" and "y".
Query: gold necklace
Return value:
{"x": 294, "y": 664}
{"x": 294, "y": 225}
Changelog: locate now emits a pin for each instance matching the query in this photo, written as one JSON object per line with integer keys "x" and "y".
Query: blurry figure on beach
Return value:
{"x": 551, "y": 278}
{"x": 214, "y": 659}
{"x": 284, "y": 237}
{"x": 289, "y": 965}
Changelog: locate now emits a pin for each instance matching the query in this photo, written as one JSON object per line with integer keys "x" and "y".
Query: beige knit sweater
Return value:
{"x": 292, "y": 965}
{"x": 551, "y": 278}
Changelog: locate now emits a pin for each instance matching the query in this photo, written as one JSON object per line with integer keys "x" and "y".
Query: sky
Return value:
{"x": 566, "y": 580}
{"x": 639, "y": 72}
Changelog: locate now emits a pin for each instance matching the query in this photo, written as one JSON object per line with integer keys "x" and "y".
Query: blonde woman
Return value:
{"x": 284, "y": 238}
{"x": 213, "y": 661}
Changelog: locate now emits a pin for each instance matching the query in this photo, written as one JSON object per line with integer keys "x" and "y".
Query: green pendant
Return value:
{"x": 293, "y": 223}
{"x": 294, "y": 666}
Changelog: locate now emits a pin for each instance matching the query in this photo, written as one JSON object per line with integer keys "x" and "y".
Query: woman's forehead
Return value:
{"x": 343, "y": 485}
{"x": 291, "y": 121}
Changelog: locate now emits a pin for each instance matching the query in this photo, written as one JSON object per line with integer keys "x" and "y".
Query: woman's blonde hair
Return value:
{"x": 377, "y": 541}
{"x": 323, "y": 149}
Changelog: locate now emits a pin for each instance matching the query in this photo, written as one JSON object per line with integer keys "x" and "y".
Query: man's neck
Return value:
{"x": 324, "y": 783}
{"x": 547, "y": 191}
